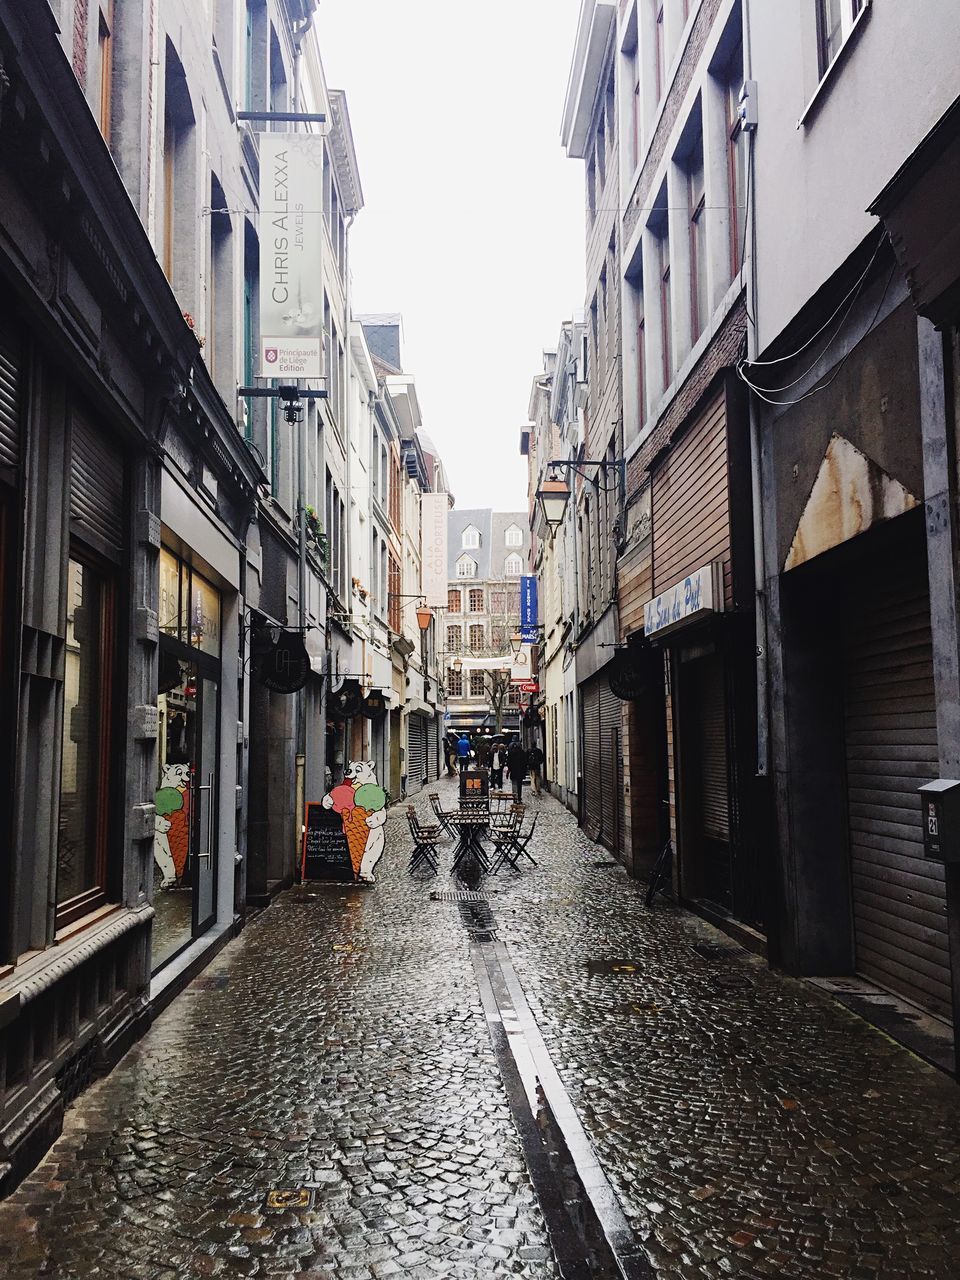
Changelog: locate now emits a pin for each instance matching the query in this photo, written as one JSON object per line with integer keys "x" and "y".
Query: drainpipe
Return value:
{"x": 756, "y": 489}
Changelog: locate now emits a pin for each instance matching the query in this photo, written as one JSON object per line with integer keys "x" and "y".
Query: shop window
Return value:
{"x": 85, "y": 793}
{"x": 189, "y": 606}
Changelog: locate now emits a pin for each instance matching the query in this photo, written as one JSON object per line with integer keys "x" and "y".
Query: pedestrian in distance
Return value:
{"x": 517, "y": 766}
{"x": 483, "y": 753}
{"x": 450, "y": 756}
{"x": 498, "y": 758}
{"x": 535, "y": 765}
{"x": 463, "y": 753}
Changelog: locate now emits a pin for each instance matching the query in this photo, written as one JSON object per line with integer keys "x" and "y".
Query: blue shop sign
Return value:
{"x": 529, "y": 614}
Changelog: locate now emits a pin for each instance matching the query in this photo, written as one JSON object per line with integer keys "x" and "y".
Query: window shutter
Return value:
{"x": 9, "y": 401}
{"x": 96, "y": 488}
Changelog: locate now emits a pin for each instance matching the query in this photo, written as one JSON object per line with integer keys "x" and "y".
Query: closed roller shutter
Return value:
{"x": 10, "y": 410}
{"x": 96, "y": 487}
{"x": 433, "y": 751}
{"x": 899, "y": 901}
{"x": 416, "y": 753}
{"x": 714, "y": 798}
{"x": 592, "y": 793}
{"x": 611, "y": 765}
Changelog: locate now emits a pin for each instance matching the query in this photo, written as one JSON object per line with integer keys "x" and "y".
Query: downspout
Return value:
{"x": 756, "y": 487}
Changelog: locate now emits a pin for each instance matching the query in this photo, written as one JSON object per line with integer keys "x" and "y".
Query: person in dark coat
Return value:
{"x": 535, "y": 765}
{"x": 517, "y": 765}
{"x": 498, "y": 758}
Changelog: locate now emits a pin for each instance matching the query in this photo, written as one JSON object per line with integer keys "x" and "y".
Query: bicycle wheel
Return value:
{"x": 660, "y": 875}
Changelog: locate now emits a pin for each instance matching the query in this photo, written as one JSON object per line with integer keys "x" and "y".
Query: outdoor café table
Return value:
{"x": 471, "y": 822}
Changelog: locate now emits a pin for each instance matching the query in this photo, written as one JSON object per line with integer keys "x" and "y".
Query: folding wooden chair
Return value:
{"x": 425, "y": 841}
{"x": 443, "y": 815}
{"x": 514, "y": 844}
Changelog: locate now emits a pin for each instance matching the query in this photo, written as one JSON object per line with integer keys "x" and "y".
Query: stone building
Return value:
{"x": 488, "y": 553}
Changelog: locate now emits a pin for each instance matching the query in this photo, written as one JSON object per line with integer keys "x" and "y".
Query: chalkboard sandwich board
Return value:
{"x": 326, "y": 854}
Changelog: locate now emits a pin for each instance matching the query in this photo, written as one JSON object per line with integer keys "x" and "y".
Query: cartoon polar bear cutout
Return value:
{"x": 362, "y": 805}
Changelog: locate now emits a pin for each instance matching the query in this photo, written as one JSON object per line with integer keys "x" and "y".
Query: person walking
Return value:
{"x": 483, "y": 753}
{"x": 463, "y": 753}
{"x": 535, "y": 765}
{"x": 498, "y": 758}
{"x": 517, "y": 765}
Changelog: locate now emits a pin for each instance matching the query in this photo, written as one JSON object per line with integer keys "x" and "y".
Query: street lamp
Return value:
{"x": 553, "y": 496}
{"x": 424, "y": 617}
{"x": 457, "y": 665}
{"x": 516, "y": 644}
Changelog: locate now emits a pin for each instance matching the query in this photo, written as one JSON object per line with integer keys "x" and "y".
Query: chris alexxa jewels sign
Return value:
{"x": 291, "y": 236}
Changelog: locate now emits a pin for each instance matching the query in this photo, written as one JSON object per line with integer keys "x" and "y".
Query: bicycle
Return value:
{"x": 660, "y": 876}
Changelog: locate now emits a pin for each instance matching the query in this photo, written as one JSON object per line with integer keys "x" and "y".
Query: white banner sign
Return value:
{"x": 291, "y": 237}
{"x": 685, "y": 601}
{"x": 434, "y": 508}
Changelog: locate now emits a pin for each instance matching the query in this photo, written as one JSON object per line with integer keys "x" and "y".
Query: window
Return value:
{"x": 698, "y": 241}
{"x": 592, "y": 188}
{"x": 471, "y": 538}
{"x": 476, "y": 599}
{"x": 105, "y": 63}
{"x": 454, "y": 639}
{"x": 466, "y": 568}
{"x": 176, "y": 230}
{"x": 736, "y": 160}
{"x": 476, "y": 637}
{"x": 636, "y": 122}
{"x": 219, "y": 334}
{"x": 498, "y": 602}
{"x": 513, "y": 567}
{"x": 514, "y": 536}
{"x": 454, "y": 683}
{"x": 85, "y": 761}
{"x": 454, "y": 600}
{"x": 829, "y": 31}
{"x": 478, "y": 685}
{"x": 666, "y": 310}
{"x": 394, "y": 602}
{"x": 396, "y": 509}
{"x": 661, "y": 45}
{"x": 498, "y": 638}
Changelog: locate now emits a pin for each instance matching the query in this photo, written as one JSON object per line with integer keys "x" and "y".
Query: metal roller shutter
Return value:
{"x": 592, "y": 792}
{"x": 416, "y": 753}
{"x": 96, "y": 486}
{"x": 10, "y": 361}
{"x": 611, "y": 765}
{"x": 714, "y": 799}
{"x": 433, "y": 750}
{"x": 899, "y": 900}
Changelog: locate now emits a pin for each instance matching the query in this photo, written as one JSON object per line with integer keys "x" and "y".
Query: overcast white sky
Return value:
{"x": 473, "y": 222}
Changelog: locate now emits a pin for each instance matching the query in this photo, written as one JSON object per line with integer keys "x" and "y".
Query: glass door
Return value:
{"x": 174, "y": 841}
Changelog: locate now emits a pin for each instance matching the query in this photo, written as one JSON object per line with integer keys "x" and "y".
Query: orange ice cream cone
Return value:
{"x": 356, "y": 830}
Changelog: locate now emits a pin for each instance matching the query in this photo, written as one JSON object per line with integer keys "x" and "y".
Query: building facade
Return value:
{"x": 162, "y": 531}
{"x": 488, "y": 552}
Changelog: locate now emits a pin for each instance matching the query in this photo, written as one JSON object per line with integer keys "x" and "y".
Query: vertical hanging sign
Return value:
{"x": 434, "y": 509}
{"x": 528, "y": 609}
{"x": 291, "y": 236}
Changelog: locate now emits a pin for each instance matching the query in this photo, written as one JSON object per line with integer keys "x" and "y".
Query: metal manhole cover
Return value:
{"x": 603, "y": 968}
{"x": 730, "y": 982}
{"x": 482, "y": 935}
{"x": 458, "y": 895}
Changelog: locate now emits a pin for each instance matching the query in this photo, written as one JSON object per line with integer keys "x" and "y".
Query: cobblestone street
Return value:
{"x": 345, "y": 1049}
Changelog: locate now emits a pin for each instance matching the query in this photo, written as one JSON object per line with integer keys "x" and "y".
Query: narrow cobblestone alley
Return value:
{"x": 341, "y": 1050}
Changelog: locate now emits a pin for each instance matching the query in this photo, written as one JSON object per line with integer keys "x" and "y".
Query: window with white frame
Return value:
{"x": 466, "y": 567}
{"x": 699, "y": 301}
{"x": 478, "y": 685}
{"x": 477, "y": 638}
{"x": 454, "y": 639}
{"x": 476, "y": 600}
{"x": 471, "y": 537}
{"x": 454, "y": 683}
{"x": 513, "y": 567}
{"x": 514, "y": 536}
{"x": 835, "y": 19}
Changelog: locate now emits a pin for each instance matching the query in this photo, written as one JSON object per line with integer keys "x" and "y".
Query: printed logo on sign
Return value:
{"x": 270, "y": 355}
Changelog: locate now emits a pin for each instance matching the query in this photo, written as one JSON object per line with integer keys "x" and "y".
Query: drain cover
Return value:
{"x": 730, "y": 982}
{"x": 712, "y": 950}
{"x": 482, "y": 935}
{"x": 458, "y": 895}
{"x": 296, "y": 1198}
{"x": 608, "y": 862}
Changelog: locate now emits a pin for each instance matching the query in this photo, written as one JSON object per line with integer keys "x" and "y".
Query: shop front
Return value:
{"x": 188, "y": 778}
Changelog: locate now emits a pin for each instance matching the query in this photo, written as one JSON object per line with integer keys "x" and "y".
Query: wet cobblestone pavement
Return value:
{"x": 749, "y": 1125}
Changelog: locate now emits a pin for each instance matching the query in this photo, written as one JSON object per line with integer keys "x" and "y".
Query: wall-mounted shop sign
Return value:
{"x": 374, "y": 705}
{"x": 529, "y": 615}
{"x": 346, "y": 701}
{"x": 434, "y": 509}
{"x": 686, "y": 601}
{"x": 286, "y": 667}
{"x": 628, "y": 677}
{"x": 291, "y": 235}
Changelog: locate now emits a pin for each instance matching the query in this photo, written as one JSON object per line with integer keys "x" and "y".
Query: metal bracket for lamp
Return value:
{"x": 554, "y": 493}
{"x": 290, "y": 396}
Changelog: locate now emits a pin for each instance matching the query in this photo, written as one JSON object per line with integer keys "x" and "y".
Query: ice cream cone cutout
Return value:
{"x": 362, "y": 805}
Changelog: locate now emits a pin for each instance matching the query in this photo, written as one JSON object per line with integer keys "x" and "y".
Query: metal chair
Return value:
{"x": 513, "y": 843}
{"x": 425, "y": 841}
{"x": 443, "y": 815}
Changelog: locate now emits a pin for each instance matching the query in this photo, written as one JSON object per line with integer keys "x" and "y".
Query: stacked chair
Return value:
{"x": 425, "y": 840}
